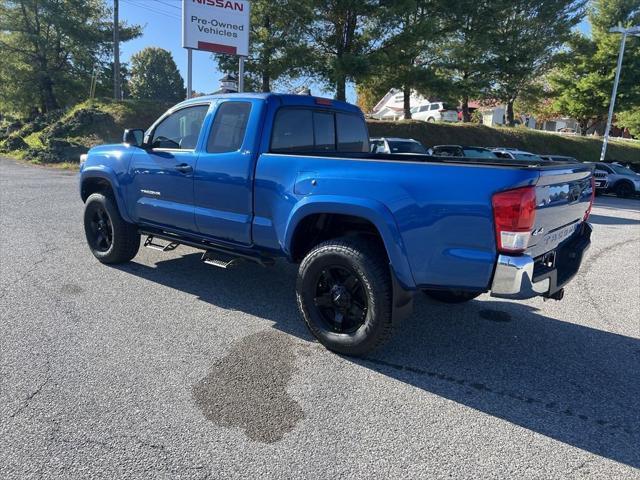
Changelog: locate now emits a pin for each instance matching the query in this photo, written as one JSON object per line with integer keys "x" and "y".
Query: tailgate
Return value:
{"x": 563, "y": 195}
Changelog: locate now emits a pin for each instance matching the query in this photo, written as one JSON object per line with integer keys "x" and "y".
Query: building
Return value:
{"x": 228, "y": 84}
{"x": 391, "y": 106}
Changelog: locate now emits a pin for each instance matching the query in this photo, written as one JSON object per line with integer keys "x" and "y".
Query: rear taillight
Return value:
{"x": 593, "y": 196}
{"x": 514, "y": 214}
{"x": 442, "y": 110}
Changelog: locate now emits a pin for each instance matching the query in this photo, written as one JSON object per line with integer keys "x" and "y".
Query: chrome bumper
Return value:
{"x": 514, "y": 278}
{"x": 518, "y": 278}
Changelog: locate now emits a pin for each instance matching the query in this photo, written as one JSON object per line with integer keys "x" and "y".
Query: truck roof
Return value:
{"x": 283, "y": 98}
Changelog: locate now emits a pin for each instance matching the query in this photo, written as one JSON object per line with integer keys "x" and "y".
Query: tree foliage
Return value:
{"x": 583, "y": 82}
{"x": 411, "y": 32}
{"x": 155, "y": 76}
{"x": 49, "y": 50}
{"x": 340, "y": 44}
{"x": 276, "y": 46}
{"x": 466, "y": 53}
{"x": 525, "y": 42}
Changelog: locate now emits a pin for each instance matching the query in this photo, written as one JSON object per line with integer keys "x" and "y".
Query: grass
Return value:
{"x": 582, "y": 148}
{"x": 87, "y": 124}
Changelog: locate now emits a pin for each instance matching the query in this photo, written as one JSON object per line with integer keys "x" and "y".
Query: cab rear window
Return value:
{"x": 306, "y": 130}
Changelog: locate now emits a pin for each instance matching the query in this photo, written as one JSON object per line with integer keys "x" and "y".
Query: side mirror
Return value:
{"x": 133, "y": 136}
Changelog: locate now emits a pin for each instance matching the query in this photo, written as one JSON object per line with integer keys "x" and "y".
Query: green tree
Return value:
{"x": 582, "y": 84}
{"x": 49, "y": 49}
{"x": 525, "y": 41}
{"x": 466, "y": 51}
{"x": 155, "y": 76}
{"x": 339, "y": 43}
{"x": 276, "y": 47}
{"x": 630, "y": 119}
{"x": 409, "y": 50}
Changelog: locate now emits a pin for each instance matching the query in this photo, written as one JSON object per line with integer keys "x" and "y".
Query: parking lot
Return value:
{"x": 169, "y": 368}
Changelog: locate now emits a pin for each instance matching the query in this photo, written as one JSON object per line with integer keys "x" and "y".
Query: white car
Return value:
{"x": 434, "y": 112}
{"x": 397, "y": 145}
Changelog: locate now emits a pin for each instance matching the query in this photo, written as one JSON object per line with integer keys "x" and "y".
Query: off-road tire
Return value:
{"x": 451, "y": 296}
{"x": 125, "y": 239}
{"x": 369, "y": 263}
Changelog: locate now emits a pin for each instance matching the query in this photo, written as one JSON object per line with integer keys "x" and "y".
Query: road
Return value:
{"x": 169, "y": 368}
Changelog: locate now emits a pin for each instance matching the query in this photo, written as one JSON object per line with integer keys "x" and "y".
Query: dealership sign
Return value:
{"x": 220, "y": 26}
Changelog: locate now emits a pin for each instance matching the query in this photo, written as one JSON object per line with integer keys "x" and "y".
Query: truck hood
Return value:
{"x": 115, "y": 157}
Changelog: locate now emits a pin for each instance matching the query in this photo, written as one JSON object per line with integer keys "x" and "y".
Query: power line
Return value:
{"x": 169, "y": 5}
{"x": 155, "y": 10}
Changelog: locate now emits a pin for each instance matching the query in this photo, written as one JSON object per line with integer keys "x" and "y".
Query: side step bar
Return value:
{"x": 156, "y": 246}
{"x": 220, "y": 260}
{"x": 215, "y": 255}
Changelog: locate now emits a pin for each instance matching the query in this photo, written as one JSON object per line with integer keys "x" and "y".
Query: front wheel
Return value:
{"x": 451, "y": 296}
{"x": 344, "y": 293}
{"x": 624, "y": 190}
{"x": 110, "y": 238}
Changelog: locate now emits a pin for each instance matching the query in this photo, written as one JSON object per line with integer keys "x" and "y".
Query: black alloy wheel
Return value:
{"x": 102, "y": 229}
{"x": 341, "y": 299}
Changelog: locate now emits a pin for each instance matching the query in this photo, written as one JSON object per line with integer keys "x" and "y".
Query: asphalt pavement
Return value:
{"x": 170, "y": 368}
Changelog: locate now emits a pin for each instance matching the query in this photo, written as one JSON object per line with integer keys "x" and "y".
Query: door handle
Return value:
{"x": 184, "y": 168}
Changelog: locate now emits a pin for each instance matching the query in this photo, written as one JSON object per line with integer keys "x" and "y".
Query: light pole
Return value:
{"x": 624, "y": 31}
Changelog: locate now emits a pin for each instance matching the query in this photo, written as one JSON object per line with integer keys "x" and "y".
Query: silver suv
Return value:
{"x": 622, "y": 181}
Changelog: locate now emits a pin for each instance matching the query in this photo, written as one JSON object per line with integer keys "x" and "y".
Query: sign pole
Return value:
{"x": 189, "y": 72}
{"x": 241, "y": 74}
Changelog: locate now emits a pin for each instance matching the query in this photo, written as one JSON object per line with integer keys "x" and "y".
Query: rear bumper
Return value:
{"x": 521, "y": 277}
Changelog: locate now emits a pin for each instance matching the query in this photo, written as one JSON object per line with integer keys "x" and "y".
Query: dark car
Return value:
{"x": 461, "y": 151}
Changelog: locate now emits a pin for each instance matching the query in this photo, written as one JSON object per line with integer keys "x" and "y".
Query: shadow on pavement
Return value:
{"x": 572, "y": 383}
{"x": 609, "y": 220}
{"x": 615, "y": 203}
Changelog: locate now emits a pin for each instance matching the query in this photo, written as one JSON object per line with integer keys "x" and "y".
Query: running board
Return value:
{"x": 156, "y": 246}
{"x": 220, "y": 260}
{"x": 212, "y": 252}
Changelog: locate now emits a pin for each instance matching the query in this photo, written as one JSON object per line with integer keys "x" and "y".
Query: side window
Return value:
{"x": 180, "y": 130}
{"x": 352, "y": 133}
{"x": 424, "y": 108}
{"x": 324, "y": 132}
{"x": 433, "y": 106}
{"x": 292, "y": 131}
{"x": 229, "y": 126}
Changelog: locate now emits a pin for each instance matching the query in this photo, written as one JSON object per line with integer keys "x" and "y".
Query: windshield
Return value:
{"x": 478, "y": 153}
{"x": 620, "y": 170}
{"x": 406, "y": 147}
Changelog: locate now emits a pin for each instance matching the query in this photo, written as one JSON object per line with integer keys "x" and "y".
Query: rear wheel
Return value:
{"x": 624, "y": 190}
{"x": 431, "y": 120}
{"x": 451, "y": 296}
{"x": 110, "y": 238}
{"x": 344, "y": 293}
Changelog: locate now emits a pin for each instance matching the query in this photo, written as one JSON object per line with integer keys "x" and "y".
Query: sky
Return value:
{"x": 162, "y": 28}
{"x": 161, "y": 20}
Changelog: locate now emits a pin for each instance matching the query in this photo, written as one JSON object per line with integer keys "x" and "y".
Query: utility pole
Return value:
{"x": 116, "y": 53}
{"x": 624, "y": 31}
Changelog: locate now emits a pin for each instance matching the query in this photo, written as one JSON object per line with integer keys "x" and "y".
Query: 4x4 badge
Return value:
{"x": 538, "y": 231}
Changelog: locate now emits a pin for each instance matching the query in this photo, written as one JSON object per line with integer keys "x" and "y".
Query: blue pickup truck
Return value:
{"x": 260, "y": 176}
